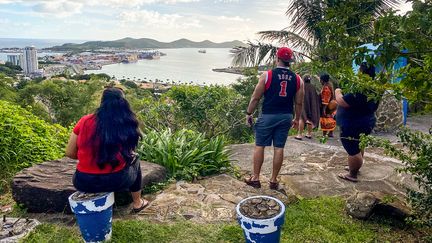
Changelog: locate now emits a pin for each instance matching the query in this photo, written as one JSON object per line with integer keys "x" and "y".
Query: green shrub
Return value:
{"x": 185, "y": 154}
{"x": 212, "y": 110}
{"x": 64, "y": 102}
{"x": 416, "y": 155}
{"x": 26, "y": 140}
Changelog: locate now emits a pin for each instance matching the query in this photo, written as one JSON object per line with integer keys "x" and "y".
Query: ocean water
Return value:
{"x": 184, "y": 65}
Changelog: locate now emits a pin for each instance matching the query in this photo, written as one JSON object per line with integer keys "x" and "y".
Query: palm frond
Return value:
{"x": 306, "y": 15}
{"x": 380, "y": 7}
{"x": 255, "y": 54}
{"x": 287, "y": 38}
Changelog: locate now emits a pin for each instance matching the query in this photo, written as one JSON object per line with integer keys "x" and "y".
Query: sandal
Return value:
{"x": 347, "y": 177}
{"x": 274, "y": 185}
{"x": 298, "y": 138}
{"x": 346, "y": 168}
{"x": 250, "y": 182}
{"x": 308, "y": 136}
{"x": 144, "y": 204}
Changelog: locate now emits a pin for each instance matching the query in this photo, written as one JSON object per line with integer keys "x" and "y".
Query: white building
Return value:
{"x": 14, "y": 59}
{"x": 29, "y": 62}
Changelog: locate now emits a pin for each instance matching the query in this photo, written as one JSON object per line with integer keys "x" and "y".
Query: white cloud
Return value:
{"x": 4, "y": 21}
{"x": 65, "y": 8}
{"x": 58, "y": 8}
{"x": 227, "y": 1}
{"x": 234, "y": 18}
{"x": 140, "y": 18}
{"x": 100, "y": 2}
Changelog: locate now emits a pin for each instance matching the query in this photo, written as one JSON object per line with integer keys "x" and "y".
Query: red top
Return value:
{"x": 85, "y": 129}
{"x": 326, "y": 94}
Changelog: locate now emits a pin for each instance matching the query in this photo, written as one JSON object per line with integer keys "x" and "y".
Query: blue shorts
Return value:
{"x": 350, "y": 136}
{"x": 272, "y": 128}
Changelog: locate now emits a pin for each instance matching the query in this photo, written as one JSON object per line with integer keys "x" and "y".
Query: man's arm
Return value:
{"x": 298, "y": 100}
{"x": 339, "y": 98}
{"x": 257, "y": 94}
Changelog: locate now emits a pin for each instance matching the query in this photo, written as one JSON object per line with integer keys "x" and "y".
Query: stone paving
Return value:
{"x": 309, "y": 170}
{"x": 209, "y": 200}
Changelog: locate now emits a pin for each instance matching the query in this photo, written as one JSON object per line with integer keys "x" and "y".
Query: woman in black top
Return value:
{"x": 355, "y": 115}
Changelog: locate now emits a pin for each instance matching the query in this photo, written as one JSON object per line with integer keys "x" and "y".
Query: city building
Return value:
{"x": 14, "y": 59}
{"x": 29, "y": 62}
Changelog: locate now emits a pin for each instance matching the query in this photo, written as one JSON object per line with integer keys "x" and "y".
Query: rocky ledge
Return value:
{"x": 45, "y": 187}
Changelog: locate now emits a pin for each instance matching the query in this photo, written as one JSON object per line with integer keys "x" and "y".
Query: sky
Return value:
{"x": 164, "y": 20}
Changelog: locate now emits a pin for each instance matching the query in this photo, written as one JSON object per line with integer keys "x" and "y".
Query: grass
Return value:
{"x": 310, "y": 220}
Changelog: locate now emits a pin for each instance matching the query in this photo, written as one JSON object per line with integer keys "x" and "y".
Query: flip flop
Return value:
{"x": 274, "y": 185}
{"x": 144, "y": 204}
{"x": 347, "y": 177}
{"x": 298, "y": 138}
{"x": 346, "y": 168}
{"x": 255, "y": 184}
{"x": 308, "y": 137}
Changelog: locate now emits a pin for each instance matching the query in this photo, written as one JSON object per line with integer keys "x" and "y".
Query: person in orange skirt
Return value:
{"x": 328, "y": 107}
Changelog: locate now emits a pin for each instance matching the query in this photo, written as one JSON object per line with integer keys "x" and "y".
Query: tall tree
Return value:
{"x": 313, "y": 24}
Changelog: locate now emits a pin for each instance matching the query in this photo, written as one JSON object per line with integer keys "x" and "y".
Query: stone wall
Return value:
{"x": 389, "y": 114}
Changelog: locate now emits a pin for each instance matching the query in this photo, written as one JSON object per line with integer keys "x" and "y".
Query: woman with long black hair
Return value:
{"x": 104, "y": 144}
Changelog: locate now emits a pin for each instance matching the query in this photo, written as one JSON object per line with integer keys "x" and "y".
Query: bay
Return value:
{"x": 184, "y": 65}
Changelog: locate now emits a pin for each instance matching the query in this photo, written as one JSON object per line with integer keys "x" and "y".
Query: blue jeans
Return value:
{"x": 272, "y": 128}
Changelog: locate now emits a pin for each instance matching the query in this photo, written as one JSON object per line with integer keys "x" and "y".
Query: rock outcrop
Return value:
{"x": 389, "y": 114}
{"x": 45, "y": 187}
{"x": 362, "y": 205}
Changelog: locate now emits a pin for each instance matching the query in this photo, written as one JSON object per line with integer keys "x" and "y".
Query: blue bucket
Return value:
{"x": 94, "y": 216}
{"x": 262, "y": 230}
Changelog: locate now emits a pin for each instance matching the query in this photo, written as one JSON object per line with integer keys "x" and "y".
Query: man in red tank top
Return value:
{"x": 283, "y": 93}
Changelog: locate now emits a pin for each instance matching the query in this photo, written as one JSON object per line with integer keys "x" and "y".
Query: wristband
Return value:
{"x": 247, "y": 113}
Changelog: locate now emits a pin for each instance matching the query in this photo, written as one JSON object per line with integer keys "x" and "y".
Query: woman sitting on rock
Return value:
{"x": 104, "y": 144}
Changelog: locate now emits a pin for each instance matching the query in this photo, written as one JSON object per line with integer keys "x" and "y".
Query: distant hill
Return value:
{"x": 130, "y": 43}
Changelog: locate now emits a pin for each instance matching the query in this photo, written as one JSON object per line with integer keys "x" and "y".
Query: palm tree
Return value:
{"x": 305, "y": 33}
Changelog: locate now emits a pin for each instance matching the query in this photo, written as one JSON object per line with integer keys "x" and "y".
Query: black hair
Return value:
{"x": 367, "y": 69}
{"x": 325, "y": 78}
{"x": 117, "y": 129}
{"x": 286, "y": 63}
{"x": 307, "y": 78}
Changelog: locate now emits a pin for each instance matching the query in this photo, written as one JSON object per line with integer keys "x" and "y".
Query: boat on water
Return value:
{"x": 202, "y": 51}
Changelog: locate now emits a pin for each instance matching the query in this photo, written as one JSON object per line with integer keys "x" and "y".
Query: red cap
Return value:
{"x": 285, "y": 54}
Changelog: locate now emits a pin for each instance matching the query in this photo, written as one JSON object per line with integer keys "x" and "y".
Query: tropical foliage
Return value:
{"x": 320, "y": 29}
{"x": 212, "y": 110}
{"x": 25, "y": 140}
{"x": 59, "y": 101}
{"x": 186, "y": 154}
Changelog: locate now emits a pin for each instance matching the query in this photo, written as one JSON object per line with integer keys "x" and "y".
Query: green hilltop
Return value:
{"x": 131, "y": 43}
